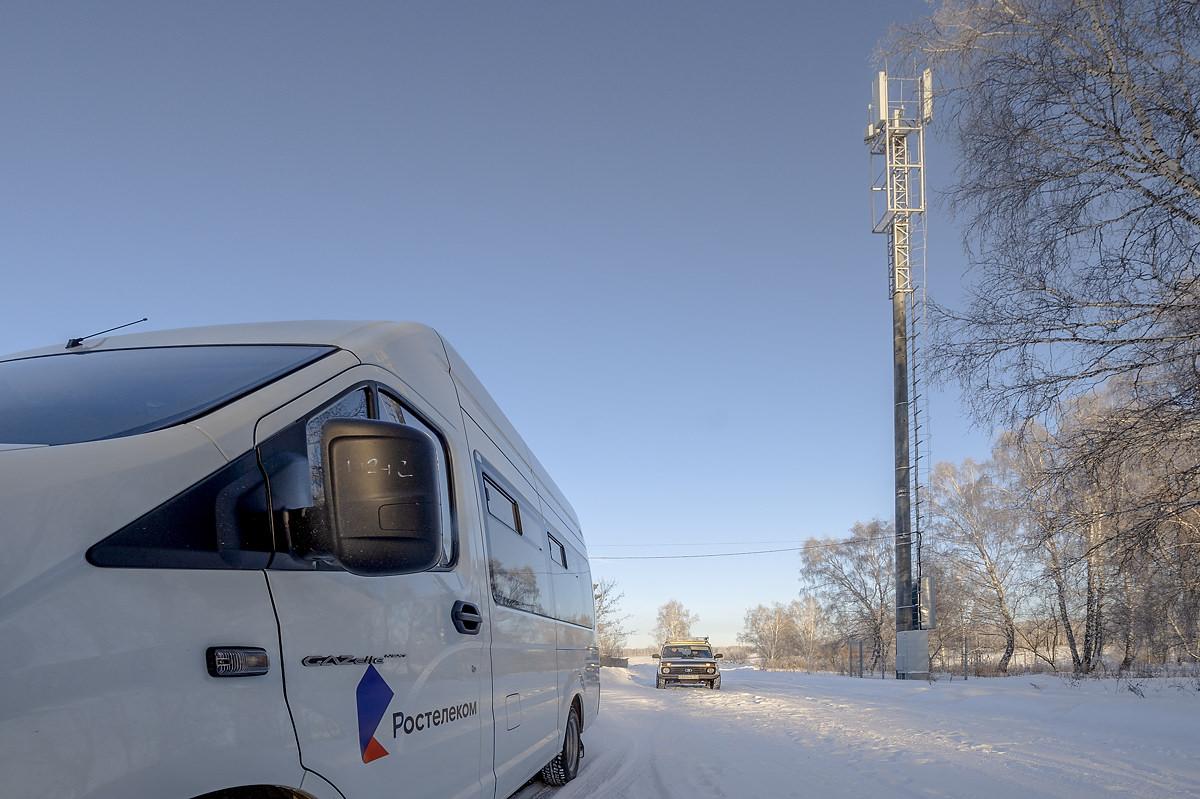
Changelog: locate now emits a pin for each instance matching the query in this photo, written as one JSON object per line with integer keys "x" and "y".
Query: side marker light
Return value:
{"x": 236, "y": 661}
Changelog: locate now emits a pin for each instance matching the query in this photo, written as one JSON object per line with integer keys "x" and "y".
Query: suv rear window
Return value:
{"x": 88, "y": 396}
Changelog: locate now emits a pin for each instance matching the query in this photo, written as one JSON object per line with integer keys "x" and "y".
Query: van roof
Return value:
{"x": 365, "y": 339}
{"x": 337, "y": 333}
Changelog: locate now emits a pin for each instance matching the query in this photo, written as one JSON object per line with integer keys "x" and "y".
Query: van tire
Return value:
{"x": 565, "y": 765}
{"x": 658, "y": 683}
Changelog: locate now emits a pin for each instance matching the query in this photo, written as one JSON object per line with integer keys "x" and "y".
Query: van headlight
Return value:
{"x": 666, "y": 669}
{"x": 711, "y": 670}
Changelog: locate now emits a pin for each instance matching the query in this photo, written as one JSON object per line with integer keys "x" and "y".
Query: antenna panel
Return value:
{"x": 879, "y": 97}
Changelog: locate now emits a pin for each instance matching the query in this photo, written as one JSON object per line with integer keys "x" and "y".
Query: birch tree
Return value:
{"x": 674, "y": 621}
{"x": 772, "y": 632}
{"x": 854, "y": 578}
{"x": 979, "y": 531}
{"x": 610, "y": 621}
{"x": 1078, "y": 129}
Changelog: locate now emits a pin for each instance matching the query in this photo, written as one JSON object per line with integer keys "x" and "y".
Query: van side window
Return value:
{"x": 572, "y": 584}
{"x": 501, "y": 506}
{"x": 587, "y": 605}
{"x": 350, "y": 406}
{"x": 517, "y": 564}
{"x": 392, "y": 410}
{"x": 557, "y": 553}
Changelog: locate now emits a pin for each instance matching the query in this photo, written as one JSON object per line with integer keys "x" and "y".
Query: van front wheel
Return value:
{"x": 565, "y": 765}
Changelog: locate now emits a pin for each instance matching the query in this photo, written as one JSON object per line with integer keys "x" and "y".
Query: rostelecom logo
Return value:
{"x": 373, "y": 695}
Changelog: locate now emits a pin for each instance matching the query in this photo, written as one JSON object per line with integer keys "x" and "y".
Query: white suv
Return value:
{"x": 688, "y": 661}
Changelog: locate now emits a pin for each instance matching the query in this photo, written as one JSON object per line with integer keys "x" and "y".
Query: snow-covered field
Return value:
{"x": 773, "y": 734}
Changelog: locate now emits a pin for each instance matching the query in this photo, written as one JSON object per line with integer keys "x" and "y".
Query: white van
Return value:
{"x": 281, "y": 560}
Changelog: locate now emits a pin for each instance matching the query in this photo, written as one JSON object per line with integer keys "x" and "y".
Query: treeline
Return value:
{"x": 1047, "y": 556}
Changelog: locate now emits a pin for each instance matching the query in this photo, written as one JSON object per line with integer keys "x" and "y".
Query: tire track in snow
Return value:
{"x": 794, "y": 735}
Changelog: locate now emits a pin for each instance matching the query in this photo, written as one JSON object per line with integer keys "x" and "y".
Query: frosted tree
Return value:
{"x": 1078, "y": 184}
{"x": 674, "y": 621}
{"x": 854, "y": 579}
{"x": 610, "y": 621}
{"x": 772, "y": 632}
{"x": 978, "y": 529}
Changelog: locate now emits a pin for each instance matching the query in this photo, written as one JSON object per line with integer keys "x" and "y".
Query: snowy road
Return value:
{"x": 771, "y": 734}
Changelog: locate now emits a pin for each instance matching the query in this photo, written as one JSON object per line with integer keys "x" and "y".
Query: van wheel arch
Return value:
{"x": 256, "y": 792}
{"x": 577, "y": 704}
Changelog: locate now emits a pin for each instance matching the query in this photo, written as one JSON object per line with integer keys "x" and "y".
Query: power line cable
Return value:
{"x": 698, "y": 543}
{"x": 811, "y": 545}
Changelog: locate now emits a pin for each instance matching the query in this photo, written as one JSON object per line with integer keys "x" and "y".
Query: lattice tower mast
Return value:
{"x": 899, "y": 111}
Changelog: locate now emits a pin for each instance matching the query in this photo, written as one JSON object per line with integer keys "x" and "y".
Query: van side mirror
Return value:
{"x": 655, "y": 656}
{"x": 719, "y": 655}
{"x": 381, "y": 485}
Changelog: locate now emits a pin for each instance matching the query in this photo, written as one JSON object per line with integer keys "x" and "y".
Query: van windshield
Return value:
{"x": 88, "y": 396}
{"x": 686, "y": 652}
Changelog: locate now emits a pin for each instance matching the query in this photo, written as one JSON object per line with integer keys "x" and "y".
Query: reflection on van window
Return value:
{"x": 543, "y": 575}
{"x": 392, "y": 410}
{"x": 89, "y": 396}
{"x": 351, "y": 406}
{"x": 516, "y": 587}
{"x": 517, "y": 564}
{"x": 572, "y": 584}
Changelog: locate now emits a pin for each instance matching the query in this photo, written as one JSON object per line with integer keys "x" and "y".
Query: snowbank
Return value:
{"x": 782, "y": 734}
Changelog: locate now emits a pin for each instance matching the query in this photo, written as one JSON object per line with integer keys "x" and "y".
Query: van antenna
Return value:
{"x": 72, "y": 343}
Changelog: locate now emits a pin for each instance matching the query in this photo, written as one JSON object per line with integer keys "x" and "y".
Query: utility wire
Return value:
{"x": 811, "y": 545}
{"x": 697, "y": 543}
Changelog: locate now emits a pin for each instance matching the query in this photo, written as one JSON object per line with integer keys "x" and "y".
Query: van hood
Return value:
{"x": 58, "y": 501}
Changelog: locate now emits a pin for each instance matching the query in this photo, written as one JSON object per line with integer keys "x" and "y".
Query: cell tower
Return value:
{"x": 899, "y": 110}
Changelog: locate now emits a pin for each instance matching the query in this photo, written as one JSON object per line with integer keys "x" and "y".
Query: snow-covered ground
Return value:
{"x": 774, "y": 734}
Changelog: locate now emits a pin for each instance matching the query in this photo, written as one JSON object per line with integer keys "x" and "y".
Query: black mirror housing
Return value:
{"x": 719, "y": 655}
{"x": 381, "y": 485}
{"x": 656, "y": 656}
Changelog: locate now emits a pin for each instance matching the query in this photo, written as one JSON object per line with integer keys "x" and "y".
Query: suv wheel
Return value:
{"x": 658, "y": 683}
{"x": 715, "y": 685}
{"x": 565, "y": 765}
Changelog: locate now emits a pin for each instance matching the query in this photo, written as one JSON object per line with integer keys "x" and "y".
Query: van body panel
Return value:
{"x": 318, "y": 787}
{"x": 100, "y": 710}
{"x": 104, "y": 667}
{"x": 578, "y": 672}
{"x": 58, "y": 501}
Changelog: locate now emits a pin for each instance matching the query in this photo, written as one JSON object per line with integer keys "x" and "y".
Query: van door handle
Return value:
{"x": 466, "y": 618}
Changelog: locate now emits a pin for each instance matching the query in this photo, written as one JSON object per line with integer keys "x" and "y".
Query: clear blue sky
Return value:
{"x": 644, "y": 225}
